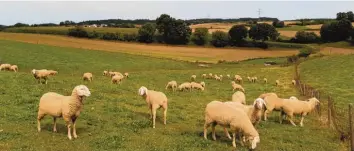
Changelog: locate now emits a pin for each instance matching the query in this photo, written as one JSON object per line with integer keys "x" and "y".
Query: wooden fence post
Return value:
{"x": 351, "y": 127}
{"x": 329, "y": 111}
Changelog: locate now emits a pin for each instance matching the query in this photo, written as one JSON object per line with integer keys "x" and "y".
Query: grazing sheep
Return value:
{"x": 277, "y": 82}
{"x": 262, "y": 96}
{"x": 41, "y": 74}
{"x": 202, "y": 83}
{"x": 126, "y": 74}
{"x": 185, "y": 85}
{"x": 217, "y": 78}
{"x": 116, "y": 79}
{"x": 105, "y": 73}
{"x": 5, "y": 66}
{"x": 293, "y": 82}
{"x": 221, "y": 76}
{"x": 197, "y": 86}
{"x": 193, "y": 77}
{"x": 87, "y": 76}
{"x": 227, "y": 116}
{"x": 236, "y": 86}
{"x": 172, "y": 85}
{"x": 290, "y": 108}
{"x": 52, "y": 72}
{"x": 238, "y": 79}
{"x": 272, "y": 102}
{"x": 210, "y": 76}
{"x": 228, "y": 76}
{"x": 204, "y": 76}
{"x": 14, "y": 68}
{"x": 68, "y": 107}
{"x": 253, "y": 111}
{"x": 239, "y": 96}
{"x": 254, "y": 79}
{"x": 249, "y": 79}
{"x": 265, "y": 80}
{"x": 154, "y": 100}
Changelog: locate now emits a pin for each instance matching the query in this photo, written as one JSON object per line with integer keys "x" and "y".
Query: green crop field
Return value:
{"x": 116, "y": 118}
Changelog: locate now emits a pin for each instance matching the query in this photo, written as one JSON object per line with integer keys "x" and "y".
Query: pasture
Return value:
{"x": 116, "y": 118}
{"x": 190, "y": 53}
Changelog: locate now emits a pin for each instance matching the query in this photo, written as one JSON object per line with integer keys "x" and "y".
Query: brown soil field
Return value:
{"x": 314, "y": 26}
{"x": 293, "y": 33}
{"x": 189, "y": 53}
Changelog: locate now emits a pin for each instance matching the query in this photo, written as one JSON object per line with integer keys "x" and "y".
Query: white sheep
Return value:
{"x": 238, "y": 79}
{"x": 14, "y": 68}
{"x": 87, "y": 76}
{"x": 262, "y": 96}
{"x": 197, "y": 86}
{"x": 253, "y": 111}
{"x": 41, "y": 74}
{"x": 126, "y": 74}
{"x": 265, "y": 80}
{"x": 204, "y": 76}
{"x": 68, "y": 107}
{"x": 272, "y": 102}
{"x": 239, "y": 96}
{"x": 154, "y": 100}
{"x": 218, "y": 113}
{"x": 254, "y": 79}
{"x": 5, "y": 66}
{"x": 293, "y": 82}
{"x": 210, "y": 76}
{"x": 193, "y": 77}
{"x": 228, "y": 76}
{"x": 117, "y": 79}
{"x": 52, "y": 72}
{"x": 249, "y": 79}
{"x": 290, "y": 108}
{"x": 202, "y": 83}
{"x": 184, "y": 86}
{"x": 105, "y": 73}
{"x": 217, "y": 78}
{"x": 172, "y": 85}
{"x": 277, "y": 82}
{"x": 236, "y": 86}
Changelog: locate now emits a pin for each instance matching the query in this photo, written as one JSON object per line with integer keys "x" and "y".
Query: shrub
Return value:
{"x": 278, "y": 24}
{"x": 305, "y": 52}
{"x": 219, "y": 39}
{"x": 78, "y": 32}
{"x": 336, "y": 31}
{"x": 263, "y": 32}
{"x": 110, "y": 36}
{"x": 237, "y": 34}
{"x": 93, "y": 35}
{"x": 305, "y": 37}
{"x": 292, "y": 59}
{"x": 200, "y": 36}
{"x": 130, "y": 37}
{"x": 146, "y": 33}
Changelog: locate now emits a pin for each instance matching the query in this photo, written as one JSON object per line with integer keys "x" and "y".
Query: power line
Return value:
{"x": 259, "y": 12}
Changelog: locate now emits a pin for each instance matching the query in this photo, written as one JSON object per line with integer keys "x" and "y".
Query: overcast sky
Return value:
{"x": 45, "y": 12}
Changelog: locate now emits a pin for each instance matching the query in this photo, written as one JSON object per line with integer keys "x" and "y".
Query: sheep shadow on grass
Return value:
{"x": 61, "y": 128}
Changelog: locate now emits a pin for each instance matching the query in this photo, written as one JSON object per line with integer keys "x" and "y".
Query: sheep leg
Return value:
{"x": 164, "y": 113}
{"x": 206, "y": 126}
{"x": 68, "y": 124}
{"x": 234, "y": 139}
{"x": 213, "y": 131}
{"x": 291, "y": 119}
{"x": 39, "y": 118}
{"x": 265, "y": 115}
{"x": 302, "y": 119}
{"x": 74, "y": 126}
{"x": 241, "y": 138}
{"x": 154, "y": 108}
{"x": 55, "y": 124}
{"x": 227, "y": 133}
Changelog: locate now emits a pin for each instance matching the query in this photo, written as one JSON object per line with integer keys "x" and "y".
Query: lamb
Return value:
{"x": 14, "y": 68}
{"x": 87, "y": 76}
{"x": 293, "y": 82}
{"x": 5, "y": 66}
{"x": 154, "y": 100}
{"x": 41, "y": 74}
{"x": 185, "y": 85}
{"x": 239, "y": 97}
{"x": 172, "y": 85}
{"x": 126, "y": 74}
{"x": 197, "y": 86}
{"x": 116, "y": 79}
{"x": 225, "y": 115}
{"x": 228, "y": 76}
{"x": 210, "y": 75}
{"x": 238, "y": 79}
{"x": 236, "y": 86}
{"x": 105, "y": 73}
{"x": 290, "y": 108}
{"x": 204, "y": 76}
{"x": 68, "y": 107}
{"x": 265, "y": 80}
{"x": 254, "y": 79}
{"x": 193, "y": 77}
{"x": 277, "y": 82}
{"x": 52, "y": 72}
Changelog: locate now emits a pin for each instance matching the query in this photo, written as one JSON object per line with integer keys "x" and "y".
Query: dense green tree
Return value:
{"x": 200, "y": 36}
{"x": 263, "y": 32}
{"x": 146, "y": 33}
{"x": 219, "y": 39}
{"x": 238, "y": 33}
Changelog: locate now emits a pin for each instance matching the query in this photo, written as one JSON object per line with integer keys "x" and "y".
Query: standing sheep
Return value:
{"x": 277, "y": 82}
{"x": 41, "y": 74}
{"x": 262, "y": 96}
{"x": 52, "y": 72}
{"x": 219, "y": 113}
{"x": 228, "y": 76}
{"x": 254, "y": 111}
{"x": 249, "y": 79}
{"x": 254, "y": 79}
{"x": 14, "y": 68}
{"x": 197, "y": 86}
{"x": 5, "y": 66}
{"x": 154, "y": 100}
{"x": 239, "y": 96}
{"x": 265, "y": 80}
{"x": 172, "y": 85}
{"x": 185, "y": 85}
{"x": 210, "y": 76}
{"x": 68, "y": 107}
{"x": 238, "y": 79}
{"x": 202, "y": 83}
{"x": 193, "y": 77}
{"x": 116, "y": 79}
{"x": 126, "y": 74}
{"x": 272, "y": 102}
{"x": 204, "y": 76}
{"x": 105, "y": 73}
{"x": 87, "y": 76}
{"x": 290, "y": 108}
{"x": 236, "y": 86}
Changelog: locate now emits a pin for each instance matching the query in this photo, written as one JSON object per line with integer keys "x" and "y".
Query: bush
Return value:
{"x": 305, "y": 37}
{"x": 200, "y": 36}
{"x": 263, "y": 32}
{"x": 305, "y": 52}
{"x": 336, "y": 31}
{"x": 219, "y": 39}
{"x": 292, "y": 59}
{"x": 78, "y": 32}
{"x": 237, "y": 34}
{"x": 110, "y": 36}
{"x": 130, "y": 37}
{"x": 93, "y": 35}
{"x": 146, "y": 33}
{"x": 278, "y": 24}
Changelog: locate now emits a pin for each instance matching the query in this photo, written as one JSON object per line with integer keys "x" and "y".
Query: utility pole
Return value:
{"x": 259, "y": 14}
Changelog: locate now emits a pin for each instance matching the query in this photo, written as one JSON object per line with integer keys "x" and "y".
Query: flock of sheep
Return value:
{"x": 240, "y": 117}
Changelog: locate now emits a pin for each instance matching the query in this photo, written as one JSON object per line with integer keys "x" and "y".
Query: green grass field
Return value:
{"x": 64, "y": 30}
{"x": 116, "y": 118}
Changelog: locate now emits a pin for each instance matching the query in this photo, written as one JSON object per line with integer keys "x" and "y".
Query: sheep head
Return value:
{"x": 33, "y": 71}
{"x": 253, "y": 142}
{"x": 314, "y": 100}
{"x": 202, "y": 83}
{"x": 82, "y": 90}
{"x": 143, "y": 91}
{"x": 258, "y": 103}
{"x": 293, "y": 98}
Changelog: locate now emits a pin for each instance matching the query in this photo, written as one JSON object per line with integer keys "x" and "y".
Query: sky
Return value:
{"x": 12, "y": 12}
